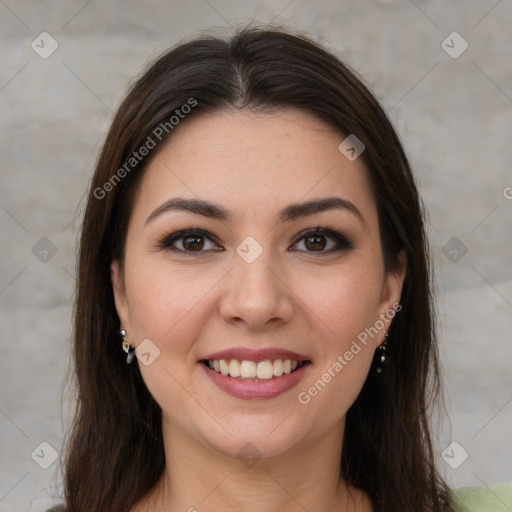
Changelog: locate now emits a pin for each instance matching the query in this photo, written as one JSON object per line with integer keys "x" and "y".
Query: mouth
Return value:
{"x": 255, "y": 380}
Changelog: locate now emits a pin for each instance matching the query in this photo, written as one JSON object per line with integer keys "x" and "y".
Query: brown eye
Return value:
{"x": 324, "y": 240}
{"x": 315, "y": 243}
{"x": 189, "y": 241}
{"x": 193, "y": 243}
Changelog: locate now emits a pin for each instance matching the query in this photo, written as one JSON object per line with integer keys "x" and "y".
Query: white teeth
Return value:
{"x": 265, "y": 370}
{"x": 278, "y": 368}
{"x": 235, "y": 368}
{"x": 246, "y": 369}
{"x": 224, "y": 367}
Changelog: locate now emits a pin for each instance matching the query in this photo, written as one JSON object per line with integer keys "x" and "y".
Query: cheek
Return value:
{"x": 163, "y": 300}
{"x": 344, "y": 299}
{"x": 169, "y": 307}
{"x": 345, "y": 311}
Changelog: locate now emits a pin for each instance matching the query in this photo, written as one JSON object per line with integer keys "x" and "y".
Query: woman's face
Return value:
{"x": 253, "y": 284}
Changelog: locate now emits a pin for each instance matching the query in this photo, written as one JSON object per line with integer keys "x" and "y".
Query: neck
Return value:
{"x": 199, "y": 477}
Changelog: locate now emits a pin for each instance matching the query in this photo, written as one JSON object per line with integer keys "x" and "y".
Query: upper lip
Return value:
{"x": 250, "y": 354}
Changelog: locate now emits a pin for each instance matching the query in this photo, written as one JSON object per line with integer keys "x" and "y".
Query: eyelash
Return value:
{"x": 343, "y": 243}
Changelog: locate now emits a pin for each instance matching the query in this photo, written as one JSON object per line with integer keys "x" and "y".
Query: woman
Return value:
{"x": 254, "y": 325}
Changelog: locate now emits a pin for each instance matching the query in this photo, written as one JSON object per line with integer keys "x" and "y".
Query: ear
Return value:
{"x": 392, "y": 287}
{"x": 119, "y": 289}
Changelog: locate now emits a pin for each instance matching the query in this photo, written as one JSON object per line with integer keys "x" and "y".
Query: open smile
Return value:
{"x": 250, "y": 379}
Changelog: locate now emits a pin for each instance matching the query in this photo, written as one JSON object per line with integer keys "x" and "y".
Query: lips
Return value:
{"x": 255, "y": 374}
{"x": 249, "y": 354}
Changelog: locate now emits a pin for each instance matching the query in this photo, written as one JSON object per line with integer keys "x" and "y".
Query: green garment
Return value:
{"x": 483, "y": 499}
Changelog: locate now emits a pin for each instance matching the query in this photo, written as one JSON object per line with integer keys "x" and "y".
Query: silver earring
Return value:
{"x": 130, "y": 351}
{"x": 383, "y": 358}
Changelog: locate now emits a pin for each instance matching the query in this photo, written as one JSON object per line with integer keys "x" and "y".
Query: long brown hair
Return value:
{"x": 115, "y": 451}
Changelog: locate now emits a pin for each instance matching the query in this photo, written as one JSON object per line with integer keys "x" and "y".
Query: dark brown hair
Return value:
{"x": 115, "y": 452}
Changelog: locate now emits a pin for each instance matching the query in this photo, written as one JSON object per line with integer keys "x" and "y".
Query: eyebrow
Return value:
{"x": 289, "y": 213}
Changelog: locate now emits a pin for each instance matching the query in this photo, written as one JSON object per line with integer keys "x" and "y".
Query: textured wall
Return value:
{"x": 451, "y": 104}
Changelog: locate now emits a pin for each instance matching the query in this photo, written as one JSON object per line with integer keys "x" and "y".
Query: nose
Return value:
{"x": 256, "y": 294}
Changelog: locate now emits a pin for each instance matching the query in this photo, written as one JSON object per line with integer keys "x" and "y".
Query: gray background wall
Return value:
{"x": 454, "y": 115}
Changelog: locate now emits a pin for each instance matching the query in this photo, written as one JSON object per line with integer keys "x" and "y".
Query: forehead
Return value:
{"x": 254, "y": 163}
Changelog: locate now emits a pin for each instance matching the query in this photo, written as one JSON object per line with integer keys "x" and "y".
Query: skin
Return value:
{"x": 312, "y": 302}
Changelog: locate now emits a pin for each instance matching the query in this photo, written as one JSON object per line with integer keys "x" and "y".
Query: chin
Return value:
{"x": 256, "y": 439}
